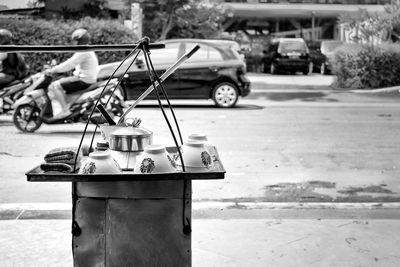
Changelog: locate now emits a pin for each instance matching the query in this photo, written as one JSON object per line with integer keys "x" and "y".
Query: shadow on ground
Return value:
{"x": 322, "y": 191}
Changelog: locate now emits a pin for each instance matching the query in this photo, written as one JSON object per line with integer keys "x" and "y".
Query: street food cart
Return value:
{"x": 131, "y": 219}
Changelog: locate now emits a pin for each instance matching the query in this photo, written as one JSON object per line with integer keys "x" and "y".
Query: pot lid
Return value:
{"x": 131, "y": 131}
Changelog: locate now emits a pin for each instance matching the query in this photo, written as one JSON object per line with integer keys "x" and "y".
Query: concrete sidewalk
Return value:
{"x": 261, "y": 81}
{"x": 267, "y": 236}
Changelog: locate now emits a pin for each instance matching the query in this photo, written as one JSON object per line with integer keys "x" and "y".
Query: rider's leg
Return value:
{"x": 57, "y": 93}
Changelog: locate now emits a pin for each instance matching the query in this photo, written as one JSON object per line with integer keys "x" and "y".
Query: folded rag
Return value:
{"x": 57, "y": 167}
{"x": 65, "y": 155}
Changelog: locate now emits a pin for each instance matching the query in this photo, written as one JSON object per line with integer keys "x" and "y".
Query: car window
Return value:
{"x": 169, "y": 54}
{"x": 290, "y": 46}
{"x": 205, "y": 53}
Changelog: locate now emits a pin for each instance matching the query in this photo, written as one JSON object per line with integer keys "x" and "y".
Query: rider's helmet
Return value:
{"x": 82, "y": 36}
{"x": 5, "y": 37}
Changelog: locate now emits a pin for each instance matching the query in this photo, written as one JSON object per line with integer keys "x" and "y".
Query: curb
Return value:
{"x": 394, "y": 89}
{"x": 227, "y": 210}
{"x": 201, "y": 205}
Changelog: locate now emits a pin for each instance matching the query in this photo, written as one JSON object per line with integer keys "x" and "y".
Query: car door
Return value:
{"x": 138, "y": 80}
{"x": 199, "y": 71}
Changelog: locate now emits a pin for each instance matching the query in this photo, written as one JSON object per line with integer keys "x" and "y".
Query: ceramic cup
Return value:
{"x": 99, "y": 162}
{"x": 154, "y": 159}
{"x": 196, "y": 157}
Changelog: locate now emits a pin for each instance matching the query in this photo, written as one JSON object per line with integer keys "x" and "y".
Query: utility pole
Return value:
{"x": 137, "y": 19}
{"x": 313, "y": 25}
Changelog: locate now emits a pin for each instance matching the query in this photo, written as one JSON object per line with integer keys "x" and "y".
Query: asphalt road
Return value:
{"x": 283, "y": 145}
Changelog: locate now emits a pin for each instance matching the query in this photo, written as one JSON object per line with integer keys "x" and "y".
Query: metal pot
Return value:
{"x": 130, "y": 139}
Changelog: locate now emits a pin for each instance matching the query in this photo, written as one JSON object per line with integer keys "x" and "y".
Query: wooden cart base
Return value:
{"x": 135, "y": 223}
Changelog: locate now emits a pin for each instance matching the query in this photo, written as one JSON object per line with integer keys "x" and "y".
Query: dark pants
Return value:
{"x": 5, "y": 78}
{"x": 73, "y": 84}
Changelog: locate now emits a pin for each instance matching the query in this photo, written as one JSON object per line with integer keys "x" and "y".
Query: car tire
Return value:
{"x": 225, "y": 95}
{"x": 323, "y": 69}
{"x": 24, "y": 124}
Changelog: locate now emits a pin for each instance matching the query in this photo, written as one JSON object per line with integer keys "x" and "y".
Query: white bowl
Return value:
{"x": 196, "y": 157}
{"x": 99, "y": 162}
{"x": 154, "y": 159}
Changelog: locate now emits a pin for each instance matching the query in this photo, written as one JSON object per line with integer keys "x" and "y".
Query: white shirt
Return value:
{"x": 86, "y": 66}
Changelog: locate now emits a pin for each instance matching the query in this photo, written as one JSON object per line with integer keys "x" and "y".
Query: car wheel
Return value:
{"x": 225, "y": 95}
{"x": 272, "y": 69}
{"x": 308, "y": 69}
{"x": 323, "y": 69}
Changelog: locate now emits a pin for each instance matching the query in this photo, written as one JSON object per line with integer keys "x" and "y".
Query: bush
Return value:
{"x": 58, "y": 32}
{"x": 363, "y": 66}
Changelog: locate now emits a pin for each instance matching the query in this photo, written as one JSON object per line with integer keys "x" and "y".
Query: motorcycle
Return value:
{"x": 10, "y": 92}
{"x": 35, "y": 106}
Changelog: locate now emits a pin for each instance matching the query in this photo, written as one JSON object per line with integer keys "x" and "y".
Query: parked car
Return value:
{"x": 216, "y": 71}
{"x": 321, "y": 55}
{"x": 287, "y": 54}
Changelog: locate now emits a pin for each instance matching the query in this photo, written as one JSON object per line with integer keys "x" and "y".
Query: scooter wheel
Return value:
{"x": 26, "y": 118}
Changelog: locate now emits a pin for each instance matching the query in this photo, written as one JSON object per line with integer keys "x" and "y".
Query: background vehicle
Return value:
{"x": 286, "y": 54}
{"x": 216, "y": 71}
{"x": 35, "y": 107}
{"x": 11, "y": 92}
{"x": 321, "y": 55}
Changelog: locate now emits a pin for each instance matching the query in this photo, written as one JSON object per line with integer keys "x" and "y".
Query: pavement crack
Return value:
{"x": 350, "y": 240}
{"x": 296, "y": 240}
{"x": 9, "y": 154}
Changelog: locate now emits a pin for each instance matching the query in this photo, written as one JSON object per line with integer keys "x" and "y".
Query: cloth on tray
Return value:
{"x": 62, "y": 155}
{"x": 61, "y": 159}
{"x": 57, "y": 167}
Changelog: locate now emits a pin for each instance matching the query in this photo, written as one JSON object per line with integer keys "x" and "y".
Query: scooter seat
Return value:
{"x": 93, "y": 86}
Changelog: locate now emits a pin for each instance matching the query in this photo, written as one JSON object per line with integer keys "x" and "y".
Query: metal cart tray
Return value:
{"x": 217, "y": 172}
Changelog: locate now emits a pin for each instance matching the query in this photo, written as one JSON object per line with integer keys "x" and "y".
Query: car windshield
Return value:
{"x": 291, "y": 46}
{"x": 328, "y": 47}
{"x": 208, "y": 52}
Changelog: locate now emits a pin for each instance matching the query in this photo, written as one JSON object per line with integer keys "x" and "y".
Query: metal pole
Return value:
{"x": 313, "y": 25}
{"x": 73, "y": 48}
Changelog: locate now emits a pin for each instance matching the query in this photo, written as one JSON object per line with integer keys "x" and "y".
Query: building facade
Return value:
{"x": 310, "y": 19}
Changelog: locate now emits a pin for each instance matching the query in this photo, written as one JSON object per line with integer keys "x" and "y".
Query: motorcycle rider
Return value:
{"x": 12, "y": 65}
{"x": 86, "y": 67}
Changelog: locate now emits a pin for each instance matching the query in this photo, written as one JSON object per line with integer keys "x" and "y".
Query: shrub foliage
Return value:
{"x": 58, "y": 32}
{"x": 365, "y": 66}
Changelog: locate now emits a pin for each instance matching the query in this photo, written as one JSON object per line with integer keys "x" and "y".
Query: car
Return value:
{"x": 286, "y": 54}
{"x": 216, "y": 71}
{"x": 322, "y": 54}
